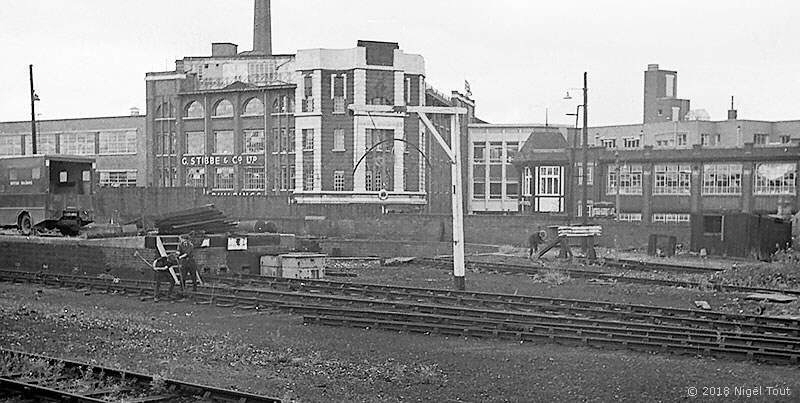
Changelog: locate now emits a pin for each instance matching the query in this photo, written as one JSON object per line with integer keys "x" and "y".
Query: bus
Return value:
{"x": 46, "y": 192}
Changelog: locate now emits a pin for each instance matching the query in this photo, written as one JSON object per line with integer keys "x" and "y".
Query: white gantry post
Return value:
{"x": 453, "y": 151}
{"x": 458, "y": 206}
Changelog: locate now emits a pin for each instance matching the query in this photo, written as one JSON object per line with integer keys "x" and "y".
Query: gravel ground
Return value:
{"x": 275, "y": 354}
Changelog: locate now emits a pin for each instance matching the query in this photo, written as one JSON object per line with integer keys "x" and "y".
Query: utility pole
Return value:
{"x": 33, "y": 111}
{"x": 585, "y": 190}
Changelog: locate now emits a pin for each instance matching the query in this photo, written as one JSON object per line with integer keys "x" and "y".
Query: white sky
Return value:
{"x": 90, "y": 56}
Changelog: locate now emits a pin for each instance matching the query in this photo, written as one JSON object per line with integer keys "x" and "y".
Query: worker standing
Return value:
{"x": 188, "y": 264}
{"x": 533, "y": 243}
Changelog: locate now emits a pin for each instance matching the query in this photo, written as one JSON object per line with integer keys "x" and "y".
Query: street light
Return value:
{"x": 34, "y": 98}
{"x": 573, "y": 176}
{"x": 585, "y": 138}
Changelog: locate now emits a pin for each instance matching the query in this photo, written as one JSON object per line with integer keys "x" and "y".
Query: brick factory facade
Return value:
{"x": 666, "y": 170}
{"x": 322, "y": 126}
{"x": 116, "y": 143}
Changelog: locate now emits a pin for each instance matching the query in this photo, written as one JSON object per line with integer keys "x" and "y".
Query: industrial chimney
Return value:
{"x": 262, "y": 28}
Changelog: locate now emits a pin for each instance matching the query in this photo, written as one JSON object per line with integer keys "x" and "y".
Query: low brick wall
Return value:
{"x": 385, "y": 248}
{"x": 74, "y": 256}
{"x": 479, "y": 229}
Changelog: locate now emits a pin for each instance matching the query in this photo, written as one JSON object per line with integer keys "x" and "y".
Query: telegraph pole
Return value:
{"x": 33, "y": 111}
{"x": 585, "y": 188}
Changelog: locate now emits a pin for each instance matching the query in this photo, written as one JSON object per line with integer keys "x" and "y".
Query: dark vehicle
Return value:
{"x": 46, "y": 192}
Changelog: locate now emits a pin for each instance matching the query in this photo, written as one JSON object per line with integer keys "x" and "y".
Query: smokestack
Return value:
{"x": 262, "y": 28}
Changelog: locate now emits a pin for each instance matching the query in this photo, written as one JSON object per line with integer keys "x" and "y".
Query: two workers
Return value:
{"x": 183, "y": 261}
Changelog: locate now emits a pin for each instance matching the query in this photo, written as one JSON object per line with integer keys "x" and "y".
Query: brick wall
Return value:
{"x": 73, "y": 257}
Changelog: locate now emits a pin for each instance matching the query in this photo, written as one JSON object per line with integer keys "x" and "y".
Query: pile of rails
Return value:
{"x": 204, "y": 219}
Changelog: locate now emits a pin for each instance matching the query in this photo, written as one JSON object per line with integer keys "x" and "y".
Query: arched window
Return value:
{"x": 194, "y": 110}
{"x": 224, "y": 108}
{"x": 254, "y": 106}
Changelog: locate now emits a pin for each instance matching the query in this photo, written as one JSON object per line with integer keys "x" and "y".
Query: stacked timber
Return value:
{"x": 205, "y": 219}
{"x": 579, "y": 231}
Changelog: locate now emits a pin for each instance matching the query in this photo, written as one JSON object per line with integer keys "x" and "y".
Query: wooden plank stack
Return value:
{"x": 205, "y": 219}
{"x": 578, "y": 231}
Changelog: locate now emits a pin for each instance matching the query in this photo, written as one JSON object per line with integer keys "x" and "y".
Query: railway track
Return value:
{"x": 512, "y": 268}
{"x": 640, "y": 265}
{"x": 32, "y": 377}
{"x": 705, "y": 338}
{"x": 523, "y": 303}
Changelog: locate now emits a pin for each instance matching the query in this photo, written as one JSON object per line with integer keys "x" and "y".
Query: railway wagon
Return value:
{"x": 46, "y": 191}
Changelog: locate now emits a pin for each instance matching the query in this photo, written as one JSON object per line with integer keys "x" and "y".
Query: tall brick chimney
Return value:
{"x": 262, "y": 28}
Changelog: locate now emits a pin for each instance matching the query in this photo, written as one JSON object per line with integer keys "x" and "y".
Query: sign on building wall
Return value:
{"x": 240, "y": 159}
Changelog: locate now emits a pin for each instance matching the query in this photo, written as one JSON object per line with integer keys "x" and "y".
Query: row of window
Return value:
{"x": 718, "y": 179}
{"x": 681, "y": 139}
{"x": 75, "y": 143}
{"x": 254, "y": 142}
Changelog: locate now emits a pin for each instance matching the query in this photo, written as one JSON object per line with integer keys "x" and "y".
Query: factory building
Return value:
{"x": 666, "y": 170}
{"x": 321, "y": 126}
{"x": 116, "y": 143}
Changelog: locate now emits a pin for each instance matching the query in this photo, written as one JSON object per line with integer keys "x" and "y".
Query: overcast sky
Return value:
{"x": 90, "y": 56}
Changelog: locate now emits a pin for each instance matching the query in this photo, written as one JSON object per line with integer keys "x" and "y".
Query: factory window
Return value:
{"x": 196, "y": 177}
{"x": 117, "y": 178}
{"x": 118, "y": 142}
{"x": 286, "y": 179}
{"x": 549, "y": 183}
{"x": 368, "y": 185}
{"x": 45, "y": 144}
{"x": 672, "y": 179}
{"x": 722, "y": 179}
{"x": 629, "y": 217}
{"x": 338, "y": 92}
{"x": 785, "y": 139}
{"x": 589, "y": 208}
{"x": 253, "y": 107}
{"x": 589, "y": 173}
{"x": 526, "y": 182}
{"x": 308, "y": 139}
{"x": 308, "y": 94}
{"x": 609, "y": 143}
{"x": 479, "y": 184}
{"x": 308, "y": 179}
{"x": 223, "y": 178}
{"x": 195, "y": 143}
{"x": 10, "y": 145}
{"x": 338, "y": 181}
{"x": 511, "y": 151}
{"x": 775, "y": 178}
{"x": 254, "y": 178}
{"x": 629, "y": 180}
{"x": 194, "y": 111}
{"x": 376, "y": 137}
{"x": 479, "y": 152}
{"x": 705, "y": 139}
{"x": 338, "y": 139}
{"x": 631, "y": 142}
{"x": 671, "y": 217}
{"x": 77, "y": 143}
{"x": 495, "y": 152}
{"x": 377, "y": 178}
{"x": 224, "y": 109}
{"x": 760, "y": 138}
{"x": 681, "y": 139}
{"x": 253, "y": 141}
{"x": 223, "y": 142}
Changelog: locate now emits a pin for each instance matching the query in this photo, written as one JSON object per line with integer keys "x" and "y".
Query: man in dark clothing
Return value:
{"x": 188, "y": 264}
{"x": 533, "y": 243}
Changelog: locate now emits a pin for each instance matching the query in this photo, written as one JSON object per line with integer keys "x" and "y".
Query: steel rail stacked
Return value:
{"x": 71, "y": 383}
{"x": 730, "y": 335}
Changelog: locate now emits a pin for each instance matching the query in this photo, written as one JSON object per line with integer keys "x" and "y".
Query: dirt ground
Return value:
{"x": 275, "y": 354}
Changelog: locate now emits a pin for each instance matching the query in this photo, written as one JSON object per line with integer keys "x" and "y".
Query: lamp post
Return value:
{"x": 584, "y": 148}
{"x": 573, "y": 168}
{"x": 34, "y": 98}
